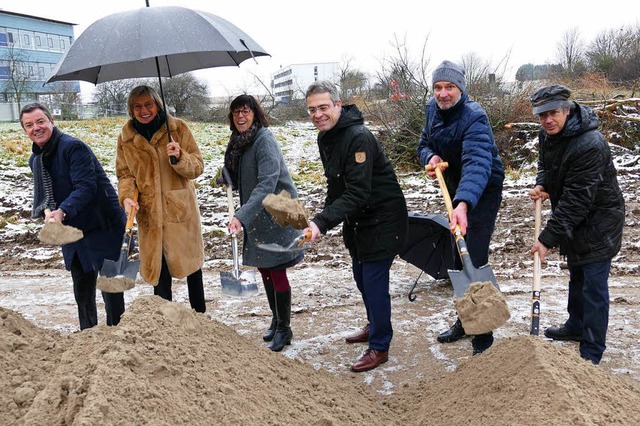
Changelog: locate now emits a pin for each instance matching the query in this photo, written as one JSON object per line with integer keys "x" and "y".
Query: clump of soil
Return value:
{"x": 55, "y": 233}
{"x": 482, "y": 308}
{"x": 116, "y": 284}
{"x": 286, "y": 211}
{"x": 523, "y": 380}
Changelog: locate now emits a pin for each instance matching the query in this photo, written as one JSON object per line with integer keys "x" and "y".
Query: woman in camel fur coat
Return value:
{"x": 168, "y": 215}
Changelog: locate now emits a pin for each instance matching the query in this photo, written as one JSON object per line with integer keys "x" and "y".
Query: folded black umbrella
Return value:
{"x": 430, "y": 246}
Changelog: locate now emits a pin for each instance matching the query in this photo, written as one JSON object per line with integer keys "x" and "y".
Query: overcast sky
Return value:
{"x": 295, "y": 31}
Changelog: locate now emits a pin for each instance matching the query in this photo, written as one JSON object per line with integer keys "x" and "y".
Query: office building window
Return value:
{"x": 38, "y": 41}
{"x": 26, "y": 40}
{"x": 50, "y": 43}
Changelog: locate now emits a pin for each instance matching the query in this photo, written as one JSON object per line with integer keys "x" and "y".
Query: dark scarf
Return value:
{"x": 238, "y": 144}
{"x": 42, "y": 185}
{"x": 149, "y": 129}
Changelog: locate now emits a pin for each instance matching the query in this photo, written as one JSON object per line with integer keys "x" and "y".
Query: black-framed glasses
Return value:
{"x": 244, "y": 112}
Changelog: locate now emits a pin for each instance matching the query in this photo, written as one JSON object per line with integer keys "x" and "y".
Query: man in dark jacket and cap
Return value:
{"x": 576, "y": 172}
{"x": 77, "y": 192}
{"x": 363, "y": 193}
{"x": 457, "y": 130}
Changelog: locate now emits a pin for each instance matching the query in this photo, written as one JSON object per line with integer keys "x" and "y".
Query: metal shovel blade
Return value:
{"x": 298, "y": 244}
{"x": 118, "y": 276}
{"x": 238, "y": 284}
{"x": 461, "y": 280}
{"x": 281, "y": 249}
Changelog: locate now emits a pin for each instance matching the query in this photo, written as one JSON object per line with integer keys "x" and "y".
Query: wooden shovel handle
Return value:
{"x": 536, "y": 255}
{"x": 131, "y": 215}
{"x": 443, "y": 186}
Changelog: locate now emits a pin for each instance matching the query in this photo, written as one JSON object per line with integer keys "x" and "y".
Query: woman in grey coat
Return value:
{"x": 257, "y": 168}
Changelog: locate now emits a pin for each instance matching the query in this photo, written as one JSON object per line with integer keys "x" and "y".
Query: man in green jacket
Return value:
{"x": 363, "y": 193}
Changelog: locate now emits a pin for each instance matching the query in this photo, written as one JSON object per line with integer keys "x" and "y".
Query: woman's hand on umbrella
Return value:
{"x": 173, "y": 149}
{"x": 235, "y": 226}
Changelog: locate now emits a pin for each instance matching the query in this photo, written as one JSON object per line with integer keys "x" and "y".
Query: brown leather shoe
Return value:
{"x": 369, "y": 360}
{"x": 360, "y": 336}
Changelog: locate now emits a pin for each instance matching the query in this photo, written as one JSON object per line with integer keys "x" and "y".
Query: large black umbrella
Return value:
{"x": 154, "y": 41}
{"x": 430, "y": 246}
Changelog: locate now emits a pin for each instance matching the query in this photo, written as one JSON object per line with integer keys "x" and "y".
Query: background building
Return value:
{"x": 291, "y": 82}
{"x": 30, "y": 48}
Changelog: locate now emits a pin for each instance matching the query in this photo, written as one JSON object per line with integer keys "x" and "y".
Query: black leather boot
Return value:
{"x": 283, "y": 334}
{"x": 482, "y": 342}
{"x": 271, "y": 297}
{"x": 455, "y": 333}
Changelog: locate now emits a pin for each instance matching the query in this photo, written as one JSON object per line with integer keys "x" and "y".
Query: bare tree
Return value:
{"x": 111, "y": 96}
{"x": 21, "y": 74}
{"x": 186, "y": 94}
{"x": 352, "y": 81}
{"x": 571, "y": 51}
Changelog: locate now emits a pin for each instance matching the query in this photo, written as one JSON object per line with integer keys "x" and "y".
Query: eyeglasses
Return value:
{"x": 322, "y": 108}
{"x": 147, "y": 106}
{"x": 243, "y": 112}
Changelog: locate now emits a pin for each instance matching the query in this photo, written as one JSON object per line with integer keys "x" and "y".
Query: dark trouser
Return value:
{"x": 481, "y": 224}
{"x": 84, "y": 290}
{"x": 588, "y": 307}
{"x": 372, "y": 279}
{"x": 195, "y": 287}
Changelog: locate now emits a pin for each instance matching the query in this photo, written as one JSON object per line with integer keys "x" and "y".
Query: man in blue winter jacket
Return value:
{"x": 78, "y": 193}
{"x": 576, "y": 172}
{"x": 457, "y": 131}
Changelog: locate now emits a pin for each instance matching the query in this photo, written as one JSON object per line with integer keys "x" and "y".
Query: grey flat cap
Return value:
{"x": 549, "y": 98}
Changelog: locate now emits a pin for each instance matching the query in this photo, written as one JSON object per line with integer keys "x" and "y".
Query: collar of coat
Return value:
{"x": 129, "y": 132}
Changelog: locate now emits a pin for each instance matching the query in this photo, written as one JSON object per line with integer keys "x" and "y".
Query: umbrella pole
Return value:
{"x": 172, "y": 158}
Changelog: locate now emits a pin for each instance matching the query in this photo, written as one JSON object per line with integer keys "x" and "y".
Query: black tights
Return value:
{"x": 195, "y": 287}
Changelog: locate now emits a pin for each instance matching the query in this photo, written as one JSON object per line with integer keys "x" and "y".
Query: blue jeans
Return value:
{"x": 588, "y": 307}
{"x": 372, "y": 279}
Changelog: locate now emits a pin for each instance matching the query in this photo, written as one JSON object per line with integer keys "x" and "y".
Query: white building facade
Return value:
{"x": 291, "y": 82}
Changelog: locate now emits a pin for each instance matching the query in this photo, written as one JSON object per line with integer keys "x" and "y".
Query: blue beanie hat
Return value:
{"x": 449, "y": 71}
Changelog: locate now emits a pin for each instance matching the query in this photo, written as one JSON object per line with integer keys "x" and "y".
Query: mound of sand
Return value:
{"x": 166, "y": 364}
{"x": 523, "y": 380}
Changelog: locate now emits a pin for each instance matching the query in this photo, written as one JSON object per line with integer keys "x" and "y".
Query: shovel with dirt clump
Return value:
{"x": 55, "y": 233}
{"x": 480, "y": 305}
{"x": 120, "y": 275}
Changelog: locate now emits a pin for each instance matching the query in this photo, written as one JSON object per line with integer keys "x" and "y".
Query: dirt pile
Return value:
{"x": 166, "y": 364}
{"x": 523, "y": 380}
{"x": 28, "y": 356}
